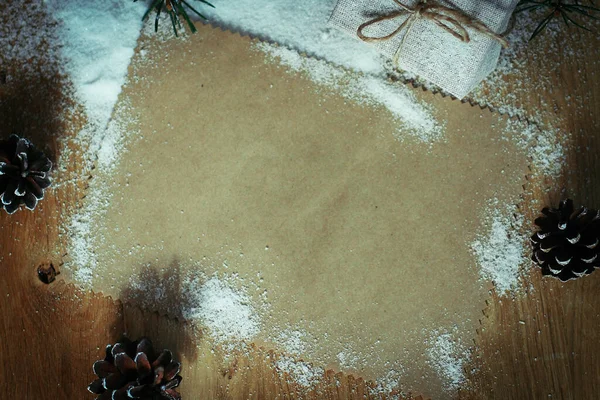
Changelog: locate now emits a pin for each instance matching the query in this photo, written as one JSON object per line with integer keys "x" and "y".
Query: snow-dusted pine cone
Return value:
{"x": 132, "y": 370}
{"x": 566, "y": 245}
{"x": 24, "y": 173}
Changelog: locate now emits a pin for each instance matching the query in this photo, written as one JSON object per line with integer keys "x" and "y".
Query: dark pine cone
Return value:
{"x": 566, "y": 246}
{"x": 23, "y": 173}
{"x": 131, "y": 370}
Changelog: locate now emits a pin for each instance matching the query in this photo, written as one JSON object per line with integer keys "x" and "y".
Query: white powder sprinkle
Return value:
{"x": 416, "y": 118}
{"x": 82, "y": 227}
{"x": 28, "y": 38}
{"x": 98, "y": 40}
{"x": 297, "y": 25}
{"x": 165, "y": 30}
{"x": 544, "y": 147}
{"x": 302, "y": 26}
{"x": 500, "y": 252}
{"x": 387, "y": 385}
{"x": 225, "y": 311}
{"x": 348, "y": 359}
{"x": 82, "y": 258}
{"x": 291, "y": 341}
{"x": 448, "y": 358}
{"x": 301, "y": 372}
{"x": 505, "y": 95}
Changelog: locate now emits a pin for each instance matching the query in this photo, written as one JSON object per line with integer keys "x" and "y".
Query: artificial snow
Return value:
{"x": 225, "y": 311}
{"x": 301, "y": 28}
{"x": 500, "y": 252}
{"x": 448, "y": 358}
{"x": 97, "y": 39}
{"x": 291, "y": 341}
{"x": 298, "y": 25}
{"x": 215, "y": 303}
{"x": 416, "y": 118}
{"x": 81, "y": 227}
{"x": 301, "y": 372}
{"x": 545, "y": 148}
{"x": 347, "y": 359}
{"x": 387, "y": 385}
{"x": 28, "y": 39}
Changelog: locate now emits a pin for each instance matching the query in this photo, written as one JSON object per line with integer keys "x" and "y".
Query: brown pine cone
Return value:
{"x": 566, "y": 245}
{"x": 24, "y": 174}
{"x": 130, "y": 370}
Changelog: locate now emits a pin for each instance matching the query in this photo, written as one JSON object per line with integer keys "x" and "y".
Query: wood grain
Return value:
{"x": 50, "y": 334}
{"x": 543, "y": 344}
{"x": 239, "y": 375}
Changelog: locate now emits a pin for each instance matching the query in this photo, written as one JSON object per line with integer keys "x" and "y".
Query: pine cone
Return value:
{"x": 566, "y": 246}
{"x": 131, "y": 370}
{"x": 23, "y": 173}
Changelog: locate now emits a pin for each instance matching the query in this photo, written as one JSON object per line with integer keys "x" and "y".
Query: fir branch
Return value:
{"x": 176, "y": 10}
{"x": 559, "y": 9}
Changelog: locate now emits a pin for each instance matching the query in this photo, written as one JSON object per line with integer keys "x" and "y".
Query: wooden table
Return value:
{"x": 540, "y": 345}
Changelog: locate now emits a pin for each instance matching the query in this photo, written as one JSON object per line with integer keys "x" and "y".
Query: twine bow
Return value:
{"x": 451, "y": 20}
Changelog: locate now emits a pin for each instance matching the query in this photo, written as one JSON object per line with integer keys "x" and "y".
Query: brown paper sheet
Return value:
{"x": 358, "y": 239}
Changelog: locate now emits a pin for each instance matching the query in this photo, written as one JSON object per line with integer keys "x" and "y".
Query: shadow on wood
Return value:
{"x": 161, "y": 293}
{"x": 32, "y": 107}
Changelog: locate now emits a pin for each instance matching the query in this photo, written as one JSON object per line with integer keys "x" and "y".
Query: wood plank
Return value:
{"x": 50, "y": 333}
{"x": 544, "y": 343}
{"x": 211, "y": 372}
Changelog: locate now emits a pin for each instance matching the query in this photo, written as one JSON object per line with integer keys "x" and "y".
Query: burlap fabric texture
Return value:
{"x": 429, "y": 51}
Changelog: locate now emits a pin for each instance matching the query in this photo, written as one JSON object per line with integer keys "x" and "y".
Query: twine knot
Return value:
{"x": 451, "y": 20}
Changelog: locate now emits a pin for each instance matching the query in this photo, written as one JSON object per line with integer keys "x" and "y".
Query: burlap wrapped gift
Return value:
{"x": 455, "y": 57}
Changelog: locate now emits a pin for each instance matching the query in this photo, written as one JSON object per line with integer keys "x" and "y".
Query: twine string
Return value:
{"x": 451, "y": 20}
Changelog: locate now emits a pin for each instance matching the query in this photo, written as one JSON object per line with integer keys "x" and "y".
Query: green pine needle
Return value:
{"x": 194, "y": 10}
{"x": 558, "y": 9}
{"x": 186, "y": 16}
{"x": 173, "y": 17}
{"x": 176, "y": 10}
